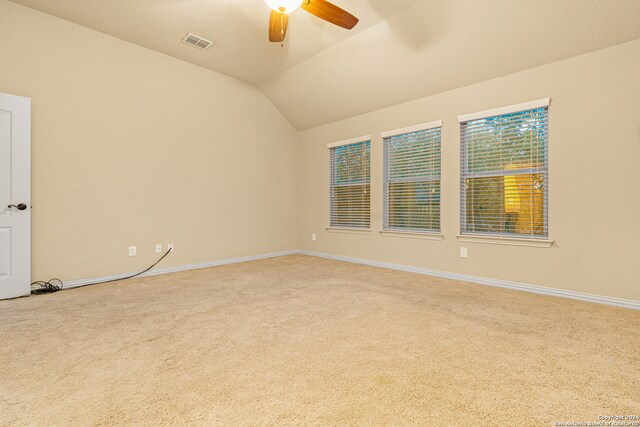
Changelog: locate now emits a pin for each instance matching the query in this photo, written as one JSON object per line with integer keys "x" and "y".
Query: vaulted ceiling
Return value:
{"x": 400, "y": 50}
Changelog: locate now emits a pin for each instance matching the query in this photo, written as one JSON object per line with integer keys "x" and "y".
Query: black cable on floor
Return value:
{"x": 55, "y": 285}
{"x": 50, "y": 286}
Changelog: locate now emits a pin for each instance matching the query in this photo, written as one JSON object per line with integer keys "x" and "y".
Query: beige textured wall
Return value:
{"x": 594, "y": 213}
{"x": 131, "y": 147}
{"x": 134, "y": 147}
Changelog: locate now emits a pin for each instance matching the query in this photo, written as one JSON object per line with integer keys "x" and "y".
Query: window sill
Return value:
{"x": 511, "y": 241}
{"x": 347, "y": 230}
{"x": 412, "y": 234}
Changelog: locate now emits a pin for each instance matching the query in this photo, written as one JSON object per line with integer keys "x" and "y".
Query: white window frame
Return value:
{"x": 504, "y": 238}
{"x": 388, "y": 230}
{"x": 332, "y": 146}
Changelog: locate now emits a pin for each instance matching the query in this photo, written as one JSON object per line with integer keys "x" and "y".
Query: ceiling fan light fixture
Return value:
{"x": 284, "y": 6}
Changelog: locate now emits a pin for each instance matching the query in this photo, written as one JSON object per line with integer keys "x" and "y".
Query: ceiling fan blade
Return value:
{"x": 330, "y": 12}
{"x": 277, "y": 26}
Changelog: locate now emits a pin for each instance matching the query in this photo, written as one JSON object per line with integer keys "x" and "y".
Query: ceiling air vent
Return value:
{"x": 197, "y": 41}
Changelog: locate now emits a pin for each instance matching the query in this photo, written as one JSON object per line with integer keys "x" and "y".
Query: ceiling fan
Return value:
{"x": 321, "y": 8}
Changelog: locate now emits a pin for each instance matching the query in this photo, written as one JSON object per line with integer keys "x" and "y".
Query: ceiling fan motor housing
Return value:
{"x": 284, "y": 6}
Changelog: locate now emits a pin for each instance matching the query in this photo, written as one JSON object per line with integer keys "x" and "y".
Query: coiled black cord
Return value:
{"x": 42, "y": 287}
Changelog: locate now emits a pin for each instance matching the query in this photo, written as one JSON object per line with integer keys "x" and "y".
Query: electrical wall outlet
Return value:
{"x": 132, "y": 251}
{"x": 158, "y": 248}
{"x": 170, "y": 247}
{"x": 313, "y": 236}
{"x": 463, "y": 252}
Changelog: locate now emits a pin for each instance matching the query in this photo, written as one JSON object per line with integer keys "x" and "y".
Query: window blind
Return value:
{"x": 412, "y": 181}
{"x": 350, "y": 185}
{"x": 504, "y": 184}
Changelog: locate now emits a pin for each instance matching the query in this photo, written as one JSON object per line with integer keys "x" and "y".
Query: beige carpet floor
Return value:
{"x": 300, "y": 340}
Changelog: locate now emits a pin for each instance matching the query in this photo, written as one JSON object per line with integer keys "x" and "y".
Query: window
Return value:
{"x": 504, "y": 183}
{"x": 412, "y": 178}
{"x": 350, "y": 177}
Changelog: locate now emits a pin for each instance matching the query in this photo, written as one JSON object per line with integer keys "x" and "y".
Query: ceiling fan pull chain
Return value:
{"x": 282, "y": 29}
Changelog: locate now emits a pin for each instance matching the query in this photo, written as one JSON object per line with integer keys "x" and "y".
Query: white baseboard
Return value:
{"x": 155, "y": 272}
{"x": 598, "y": 299}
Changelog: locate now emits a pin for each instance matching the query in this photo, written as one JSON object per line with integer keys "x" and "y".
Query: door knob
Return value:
{"x": 20, "y": 206}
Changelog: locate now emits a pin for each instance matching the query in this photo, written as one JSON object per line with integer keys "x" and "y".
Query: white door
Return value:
{"x": 15, "y": 196}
